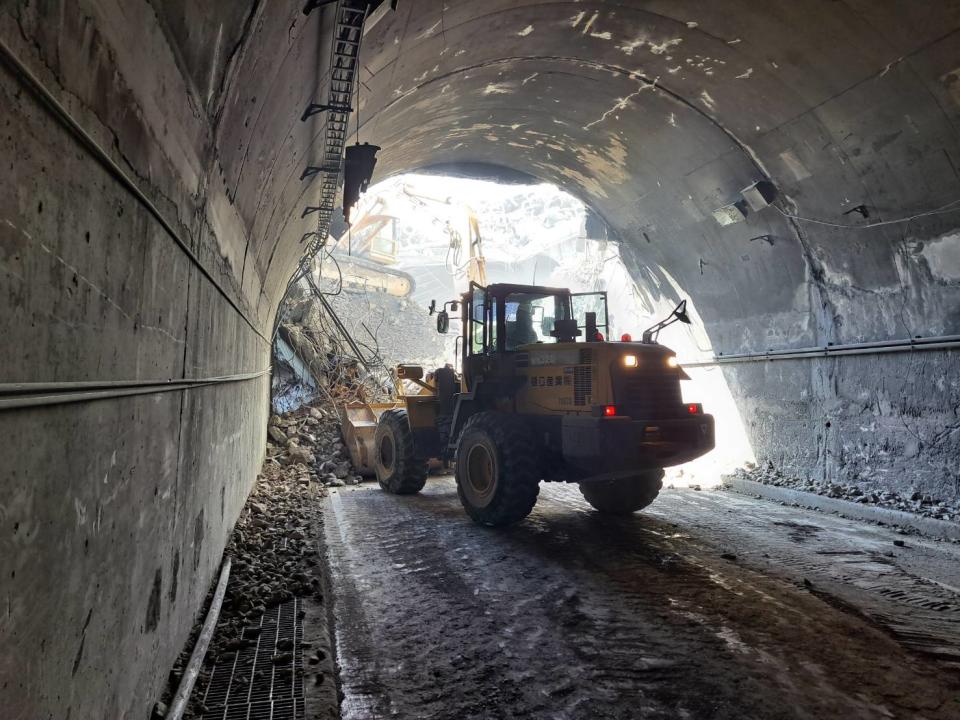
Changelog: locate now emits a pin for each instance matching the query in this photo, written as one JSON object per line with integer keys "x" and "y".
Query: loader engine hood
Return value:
{"x": 645, "y": 358}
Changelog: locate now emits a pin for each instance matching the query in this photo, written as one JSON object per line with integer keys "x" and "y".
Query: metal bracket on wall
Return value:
{"x": 312, "y": 170}
{"x": 314, "y": 108}
{"x": 312, "y": 5}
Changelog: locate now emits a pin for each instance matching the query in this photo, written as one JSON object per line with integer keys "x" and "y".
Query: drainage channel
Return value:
{"x": 263, "y": 680}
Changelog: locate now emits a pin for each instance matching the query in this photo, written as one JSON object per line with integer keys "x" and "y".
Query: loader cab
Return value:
{"x": 501, "y": 320}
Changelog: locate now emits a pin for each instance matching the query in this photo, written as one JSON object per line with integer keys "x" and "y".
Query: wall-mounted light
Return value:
{"x": 729, "y": 214}
{"x": 759, "y": 195}
{"x": 755, "y": 197}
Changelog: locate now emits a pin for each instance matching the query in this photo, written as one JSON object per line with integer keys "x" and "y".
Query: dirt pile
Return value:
{"x": 913, "y": 502}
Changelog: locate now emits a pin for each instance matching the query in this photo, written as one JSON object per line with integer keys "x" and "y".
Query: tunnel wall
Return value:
{"x": 114, "y": 511}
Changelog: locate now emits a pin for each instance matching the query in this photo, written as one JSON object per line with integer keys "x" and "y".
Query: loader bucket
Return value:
{"x": 358, "y": 422}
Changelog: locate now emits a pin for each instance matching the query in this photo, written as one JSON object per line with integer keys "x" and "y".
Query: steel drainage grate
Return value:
{"x": 264, "y": 681}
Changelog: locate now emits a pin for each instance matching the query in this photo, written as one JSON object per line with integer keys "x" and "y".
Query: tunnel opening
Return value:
{"x": 410, "y": 244}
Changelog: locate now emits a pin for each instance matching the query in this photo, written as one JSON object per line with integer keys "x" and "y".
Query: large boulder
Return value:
{"x": 301, "y": 455}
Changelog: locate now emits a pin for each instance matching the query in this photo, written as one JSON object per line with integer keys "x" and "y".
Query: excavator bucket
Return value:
{"x": 358, "y": 422}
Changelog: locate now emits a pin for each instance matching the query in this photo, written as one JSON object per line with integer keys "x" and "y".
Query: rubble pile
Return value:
{"x": 915, "y": 502}
{"x": 307, "y": 443}
{"x": 384, "y": 330}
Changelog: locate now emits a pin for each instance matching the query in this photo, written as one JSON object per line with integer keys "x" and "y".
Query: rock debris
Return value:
{"x": 913, "y": 501}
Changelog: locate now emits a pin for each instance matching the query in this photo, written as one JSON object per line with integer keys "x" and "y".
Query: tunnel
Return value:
{"x": 791, "y": 169}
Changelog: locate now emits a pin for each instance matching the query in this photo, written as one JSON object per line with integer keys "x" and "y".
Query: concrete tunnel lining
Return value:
{"x": 855, "y": 103}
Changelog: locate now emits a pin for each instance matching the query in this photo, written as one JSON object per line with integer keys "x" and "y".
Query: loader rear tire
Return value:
{"x": 398, "y": 469}
{"x": 497, "y": 476}
{"x": 625, "y": 495}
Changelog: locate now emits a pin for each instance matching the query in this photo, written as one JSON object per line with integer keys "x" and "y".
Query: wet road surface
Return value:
{"x": 706, "y": 605}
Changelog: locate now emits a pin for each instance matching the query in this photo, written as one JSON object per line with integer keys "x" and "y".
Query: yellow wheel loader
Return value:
{"x": 542, "y": 395}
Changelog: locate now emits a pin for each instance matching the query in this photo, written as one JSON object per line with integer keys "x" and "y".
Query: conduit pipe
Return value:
{"x": 60, "y": 113}
{"x": 21, "y": 395}
{"x": 182, "y": 696}
{"x": 942, "y": 342}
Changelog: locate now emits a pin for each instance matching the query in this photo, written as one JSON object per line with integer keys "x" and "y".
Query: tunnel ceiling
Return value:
{"x": 653, "y": 113}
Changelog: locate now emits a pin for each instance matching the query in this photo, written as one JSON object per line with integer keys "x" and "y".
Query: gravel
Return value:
{"x": 913, "y": 501}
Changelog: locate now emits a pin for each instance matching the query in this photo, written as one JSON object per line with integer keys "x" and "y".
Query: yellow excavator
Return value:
{"x": 541, "y": 394}
{"x": 365, "y": 257}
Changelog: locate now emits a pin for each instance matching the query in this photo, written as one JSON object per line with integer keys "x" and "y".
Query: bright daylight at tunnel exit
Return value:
{"x": 423, "y": 359}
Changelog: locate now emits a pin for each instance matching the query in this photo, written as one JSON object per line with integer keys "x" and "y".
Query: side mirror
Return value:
{"x": 454, "y": 305}
{"x": 443, "y": 322}
{"x": 680, "y": 312}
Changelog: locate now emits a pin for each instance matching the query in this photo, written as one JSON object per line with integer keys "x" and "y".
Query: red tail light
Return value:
{"x": 695, "y": 408}
{"x": 609, "y": 410}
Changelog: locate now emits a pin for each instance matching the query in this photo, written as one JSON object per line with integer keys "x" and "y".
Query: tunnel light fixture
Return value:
{"x": 729, "y": 214}
{"x": 378, "y": 14}
{"x": 759, "y": 194}
{"x": 630, "y": 361}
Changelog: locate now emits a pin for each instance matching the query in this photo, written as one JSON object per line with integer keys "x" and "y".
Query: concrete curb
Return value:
{"x": 870, "y": 513}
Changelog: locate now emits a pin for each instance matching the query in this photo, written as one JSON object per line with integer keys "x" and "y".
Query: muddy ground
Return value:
{"x": 708, "y": 605}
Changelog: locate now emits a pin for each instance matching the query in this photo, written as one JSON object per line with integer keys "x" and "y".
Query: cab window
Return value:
{"x": 591, "y": 302}
{"x": 477, "y": 327}
{"x": 530, "y": 317}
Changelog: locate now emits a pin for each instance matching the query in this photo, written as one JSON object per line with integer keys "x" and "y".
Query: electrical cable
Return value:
{"x": 85, "y": 140}
{"x": 938, "y": 211}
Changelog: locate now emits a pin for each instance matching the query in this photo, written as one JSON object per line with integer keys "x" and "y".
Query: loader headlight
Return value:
{"x": 630, "y": 360}
{"x": 672, "y": 361}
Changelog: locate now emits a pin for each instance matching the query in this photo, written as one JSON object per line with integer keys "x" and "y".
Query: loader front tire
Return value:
{"x": 398, "y": 469}
{"x": 625, "y": 495}
{"x": 497, "y": 475}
